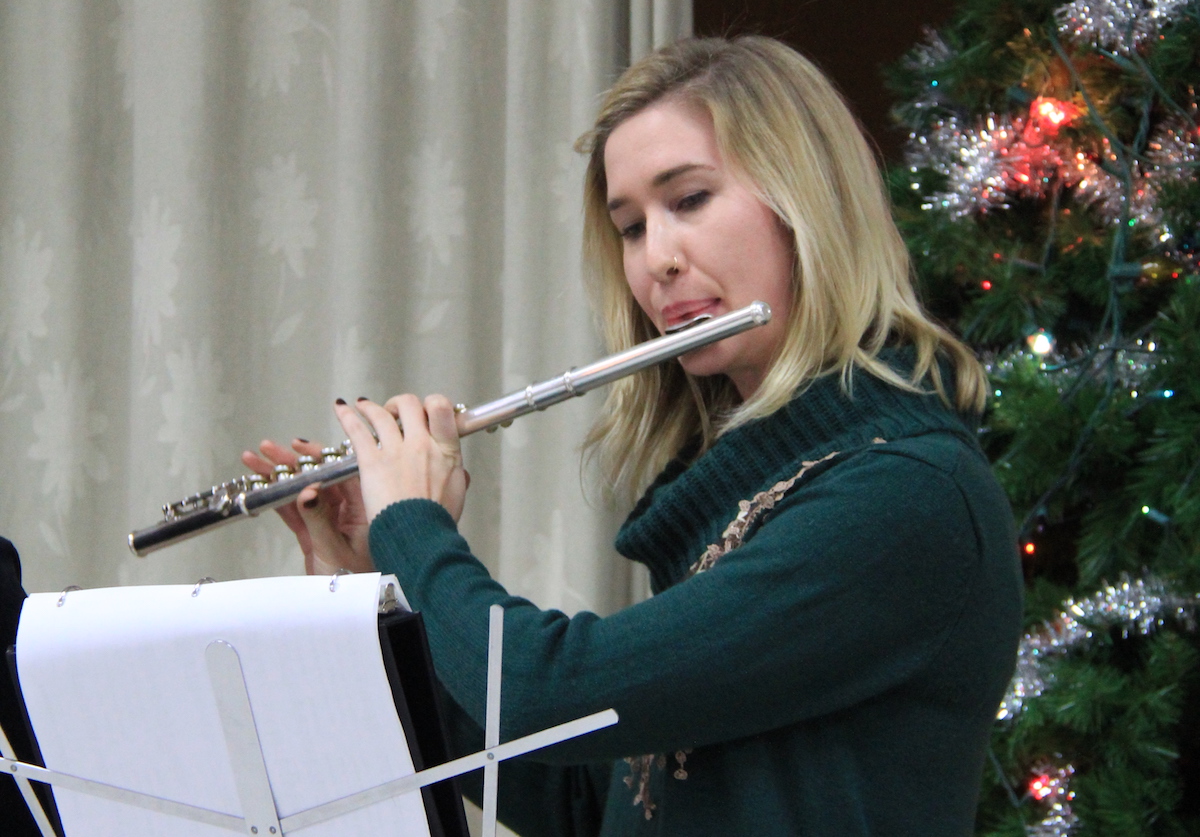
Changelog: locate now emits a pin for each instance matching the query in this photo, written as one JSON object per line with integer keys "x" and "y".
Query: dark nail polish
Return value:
{"x": 362, "y": 398}
{"x": 341, "y": 402}
{"x": 311, "y": 504}
{"x": 302, "y": 441}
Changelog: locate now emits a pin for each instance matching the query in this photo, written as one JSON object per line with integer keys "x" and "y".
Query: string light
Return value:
{"x": 1050, "y": 114}
{"x": 1155, "y": 515}
{"x": 1052, "y": 784}
{"x": 1040, "y": 343}
{"x": 995, "y": 162}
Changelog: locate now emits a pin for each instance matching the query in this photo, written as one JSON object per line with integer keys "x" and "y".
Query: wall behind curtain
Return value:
{"x": 215, "y": 218}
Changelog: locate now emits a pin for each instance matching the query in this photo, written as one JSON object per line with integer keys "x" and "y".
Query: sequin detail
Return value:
{"x": 640, "y": 768}
{"x": 749, "y": 512}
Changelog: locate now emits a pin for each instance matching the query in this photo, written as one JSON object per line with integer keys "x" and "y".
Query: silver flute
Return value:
{"x": 248, "y": 495}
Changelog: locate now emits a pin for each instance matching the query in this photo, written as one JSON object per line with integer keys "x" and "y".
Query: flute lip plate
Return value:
{"x": 695, "y": 321}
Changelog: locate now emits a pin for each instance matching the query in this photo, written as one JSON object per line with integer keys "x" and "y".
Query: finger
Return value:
{"x": 390, "y": 406}
{"x": 270, "y": 454}
{"x": 442, "y": 426}
{"x": 329, "y": 547}
{"x": 411, "y": 415}
{"x": 291, "y": 518}
{"x": 277, "y": 453}
{"x": 306, "y": 448}
{"x": 386, "y": 428}
{"x": 355, "y": 427}
{"x": 257, "y": 463}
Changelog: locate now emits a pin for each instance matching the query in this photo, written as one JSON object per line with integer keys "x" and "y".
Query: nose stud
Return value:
{"x": 674, "y": 268}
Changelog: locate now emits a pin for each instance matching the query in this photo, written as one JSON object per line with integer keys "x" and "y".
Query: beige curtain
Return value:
{"x": 215, "y": 218}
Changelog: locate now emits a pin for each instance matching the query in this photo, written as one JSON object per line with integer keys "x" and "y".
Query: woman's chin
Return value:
{"x": 703, "y": 363}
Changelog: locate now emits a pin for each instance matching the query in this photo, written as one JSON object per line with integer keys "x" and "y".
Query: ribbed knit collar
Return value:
{"x": 686, "y": 507}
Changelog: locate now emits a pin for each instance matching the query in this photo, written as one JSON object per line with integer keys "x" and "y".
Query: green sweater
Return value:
{"x": 837, "y": 674}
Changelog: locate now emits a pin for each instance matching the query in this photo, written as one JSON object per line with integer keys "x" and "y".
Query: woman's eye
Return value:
{"x": 692, "y": 201}
{"x": 632, "y": 231}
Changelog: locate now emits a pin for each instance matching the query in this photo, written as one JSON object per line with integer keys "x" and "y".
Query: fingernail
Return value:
{"x": 302, "y": 441}
{"x": 362, "y": 398}
{"x": 311, "y": 504}
{"x": 340, "y": 402}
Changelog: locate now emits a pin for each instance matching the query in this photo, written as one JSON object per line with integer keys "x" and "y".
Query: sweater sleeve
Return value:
{"x": 850, "y": 587}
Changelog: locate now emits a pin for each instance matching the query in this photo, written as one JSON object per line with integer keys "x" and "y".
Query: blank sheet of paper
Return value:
{"x": 118, "y": 691}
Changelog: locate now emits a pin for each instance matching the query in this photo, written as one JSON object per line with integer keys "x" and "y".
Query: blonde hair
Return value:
{"x": 782, "y": 124}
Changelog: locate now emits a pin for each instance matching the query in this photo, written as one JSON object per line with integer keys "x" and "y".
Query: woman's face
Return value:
{"x": 696, "y": 238}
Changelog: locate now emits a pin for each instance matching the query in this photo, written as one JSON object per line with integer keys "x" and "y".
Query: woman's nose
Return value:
{"x": 664, "y": 256}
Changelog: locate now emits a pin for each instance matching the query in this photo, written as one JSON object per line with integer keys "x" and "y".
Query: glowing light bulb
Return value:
{"x": 1040, "y": 343}
{"x": 1041, "y": 787}
{"x": 1051, "y": 114}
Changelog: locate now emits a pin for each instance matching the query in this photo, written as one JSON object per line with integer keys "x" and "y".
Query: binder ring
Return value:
{"x": 205, "y": 580}
{"x": 387, "y": 599}
{"x": 333, "y": 579}
{"x": 62, "y": 600}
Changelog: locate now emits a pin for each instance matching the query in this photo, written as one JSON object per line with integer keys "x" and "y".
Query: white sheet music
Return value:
{"x": 118, "y": 691}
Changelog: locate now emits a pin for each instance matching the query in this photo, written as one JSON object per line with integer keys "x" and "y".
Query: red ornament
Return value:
{"x": 1030, "y": 548}
{"x": 986, "y": 285}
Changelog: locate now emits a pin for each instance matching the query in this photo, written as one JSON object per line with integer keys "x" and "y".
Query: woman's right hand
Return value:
{"x": 329, "y": 523}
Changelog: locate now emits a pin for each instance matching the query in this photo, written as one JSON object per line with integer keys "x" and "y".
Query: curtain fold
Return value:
{"x": 217, "y": 218}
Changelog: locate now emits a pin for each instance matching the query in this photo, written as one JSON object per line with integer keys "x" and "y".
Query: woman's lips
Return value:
{"x": 681, "y": 312}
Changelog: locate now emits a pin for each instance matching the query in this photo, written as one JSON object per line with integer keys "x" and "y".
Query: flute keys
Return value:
{"x": 306, "y": 463}
{"x": 283, "y": 472}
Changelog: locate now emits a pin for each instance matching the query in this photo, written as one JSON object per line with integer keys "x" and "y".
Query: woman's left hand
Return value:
{"x": 422, "y": 460}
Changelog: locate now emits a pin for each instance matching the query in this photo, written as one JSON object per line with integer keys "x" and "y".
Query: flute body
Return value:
{"x": 249, "y": 495}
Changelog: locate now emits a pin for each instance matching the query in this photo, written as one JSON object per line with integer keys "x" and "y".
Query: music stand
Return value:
{"x": 242, "y": 706}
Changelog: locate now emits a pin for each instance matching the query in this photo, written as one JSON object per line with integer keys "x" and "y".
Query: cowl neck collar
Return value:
{"x": 687, "y": 506}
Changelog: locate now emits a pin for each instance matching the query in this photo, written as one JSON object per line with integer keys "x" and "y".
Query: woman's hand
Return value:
{"x": 422, "y": 460}
{"x": 329, "y": 523}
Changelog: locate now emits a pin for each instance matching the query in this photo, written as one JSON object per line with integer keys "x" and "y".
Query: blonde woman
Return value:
{"x": 837, "y": 589}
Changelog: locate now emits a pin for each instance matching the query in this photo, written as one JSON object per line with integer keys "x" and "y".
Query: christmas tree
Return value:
{"x": 1051, "y": 201}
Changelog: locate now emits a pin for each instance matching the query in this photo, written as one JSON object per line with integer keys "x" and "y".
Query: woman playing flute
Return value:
{"x": 837, "y": 592}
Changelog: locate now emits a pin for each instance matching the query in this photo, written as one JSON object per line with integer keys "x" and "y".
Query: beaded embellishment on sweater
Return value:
{"x": 749, "y": 513}
{"x": 639, "y": 770}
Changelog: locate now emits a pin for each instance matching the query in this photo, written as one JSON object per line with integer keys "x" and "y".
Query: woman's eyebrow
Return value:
{"x": 661, "y": 179}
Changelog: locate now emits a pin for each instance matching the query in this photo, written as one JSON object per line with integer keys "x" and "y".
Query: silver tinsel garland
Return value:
{"x": 1128, "y": 366}
{"x": 983, "y": 165}
{"x": 1135, "y": 606}
{"x": 1003, "y": 157}
{"x": 1119, "y": 26}
{"x": 924, "y": 60}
